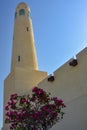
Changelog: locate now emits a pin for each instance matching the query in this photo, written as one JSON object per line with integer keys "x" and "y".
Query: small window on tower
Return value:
{"x": 18, "y": 58}
{"x": 21, "y": 12}
{"x": 15, "y": 15}
{"x": 27, "y": 29}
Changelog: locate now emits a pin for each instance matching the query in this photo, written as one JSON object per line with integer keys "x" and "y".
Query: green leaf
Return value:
{"x": 6, "y": 121}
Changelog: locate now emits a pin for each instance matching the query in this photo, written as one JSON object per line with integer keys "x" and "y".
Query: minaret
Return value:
{"x": 24, "y": 67}
{"x": 24, "y": 54}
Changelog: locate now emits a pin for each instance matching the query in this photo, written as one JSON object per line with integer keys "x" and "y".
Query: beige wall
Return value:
{"x": 20, "y": 81}
{"x": 70, "y": 84}
{"x": 75, "y": 117}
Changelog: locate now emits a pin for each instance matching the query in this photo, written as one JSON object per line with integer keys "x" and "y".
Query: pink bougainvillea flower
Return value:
{"x": 38, "y": 111}
{"x": 7, "y": 107}
{"x": 35, "y": 89}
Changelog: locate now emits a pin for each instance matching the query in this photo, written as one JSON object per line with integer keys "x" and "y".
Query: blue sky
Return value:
{"x": 60, "y": 32}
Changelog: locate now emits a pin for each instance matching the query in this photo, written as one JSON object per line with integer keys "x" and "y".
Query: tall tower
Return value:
{"x": 24, "y": 54}
{"x": 24, "y": 72}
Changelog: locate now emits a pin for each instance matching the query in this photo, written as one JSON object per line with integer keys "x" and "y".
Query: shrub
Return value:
{"x": 39, "y": 111}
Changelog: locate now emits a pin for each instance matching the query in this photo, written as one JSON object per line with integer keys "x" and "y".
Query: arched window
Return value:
{"x": 21, "y": 12}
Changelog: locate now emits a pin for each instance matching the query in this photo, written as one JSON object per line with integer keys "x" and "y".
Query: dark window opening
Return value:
{"x": 15, "y": 14}
{"x": 27, "y": 29}
{"x": 18, "y": 58}
{"x": 21, "y": 12}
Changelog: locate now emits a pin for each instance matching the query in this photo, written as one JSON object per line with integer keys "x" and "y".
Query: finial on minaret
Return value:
{"x": 24, "y": 53}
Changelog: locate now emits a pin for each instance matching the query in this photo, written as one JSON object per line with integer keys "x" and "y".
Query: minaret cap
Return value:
{"x": 22, "y": 5}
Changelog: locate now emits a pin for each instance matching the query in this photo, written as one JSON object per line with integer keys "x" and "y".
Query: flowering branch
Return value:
{"x": 34, "y": 112}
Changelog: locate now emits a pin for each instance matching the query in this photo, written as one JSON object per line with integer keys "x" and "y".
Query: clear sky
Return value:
{"x": 60, "y": 32}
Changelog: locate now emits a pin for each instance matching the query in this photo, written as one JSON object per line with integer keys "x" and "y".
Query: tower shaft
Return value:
{"x": 24, "y": 53}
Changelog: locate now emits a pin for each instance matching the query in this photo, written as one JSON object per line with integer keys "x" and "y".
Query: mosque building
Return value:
{"x": 68, "y": 82}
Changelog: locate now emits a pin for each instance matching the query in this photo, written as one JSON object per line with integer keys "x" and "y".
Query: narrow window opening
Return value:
{"x": 27, "y": 29}
{"x": 15, "y": 15}
{"x": 18, "y": 58}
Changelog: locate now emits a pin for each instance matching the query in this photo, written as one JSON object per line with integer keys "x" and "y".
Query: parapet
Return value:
{"x": 68, "y": 82}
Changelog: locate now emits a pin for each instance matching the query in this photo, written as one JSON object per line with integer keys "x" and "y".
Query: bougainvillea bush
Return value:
{"x": 39, "y": 111}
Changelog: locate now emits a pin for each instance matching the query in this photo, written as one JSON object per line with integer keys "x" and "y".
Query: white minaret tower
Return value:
{"x": 24, "y": 67}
